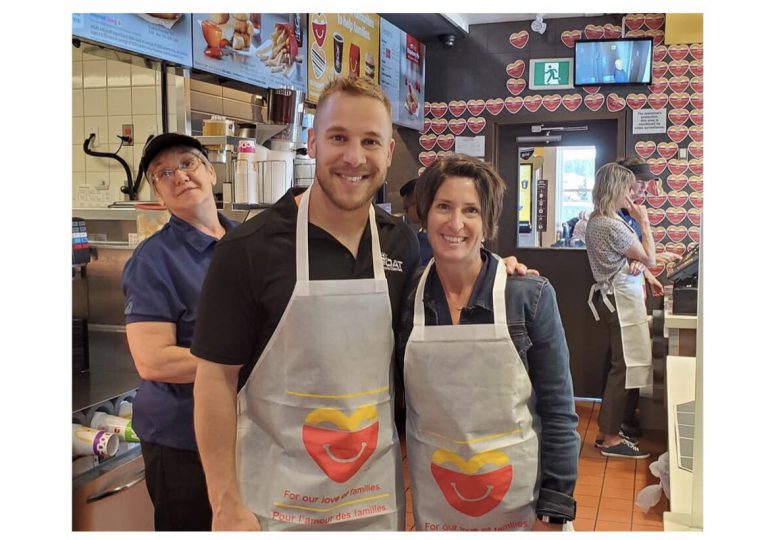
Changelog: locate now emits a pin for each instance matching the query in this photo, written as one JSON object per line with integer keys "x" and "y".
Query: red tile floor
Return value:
{"x": 606, "y": 487}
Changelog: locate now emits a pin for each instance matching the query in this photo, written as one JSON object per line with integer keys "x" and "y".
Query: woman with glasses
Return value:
{"x": 162, "y": 283}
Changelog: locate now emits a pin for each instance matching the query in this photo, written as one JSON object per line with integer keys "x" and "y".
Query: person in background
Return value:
{"x": 162, "y": 282}
{"x": 630, "y": 427}
{"x": 580, "y": 227}
{"x": 412, "y": 218}
{"x": 486, "y": 366}
{"x": 618, "y": 293}
{"x": 619, "y": 75}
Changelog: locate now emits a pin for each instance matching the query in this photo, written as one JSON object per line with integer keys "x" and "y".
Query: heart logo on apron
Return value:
{"x": 341, "y": 452}
{"x": 468, "y": 492}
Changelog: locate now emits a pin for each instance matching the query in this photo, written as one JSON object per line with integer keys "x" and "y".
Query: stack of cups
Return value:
{"x": 93, "y": 442}
{"x": 248, "y": 183}
{"x": 122, "y": 427}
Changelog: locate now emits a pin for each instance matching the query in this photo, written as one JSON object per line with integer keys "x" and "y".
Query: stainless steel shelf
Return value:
{"x": 264, "y": 132}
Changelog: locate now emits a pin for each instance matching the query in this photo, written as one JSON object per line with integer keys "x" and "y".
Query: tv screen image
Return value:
{"x": 613, "y": 62}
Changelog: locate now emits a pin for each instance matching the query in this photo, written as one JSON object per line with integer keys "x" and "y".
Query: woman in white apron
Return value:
{"x": 491, "y": 424}
{"x": 617, "y": 299}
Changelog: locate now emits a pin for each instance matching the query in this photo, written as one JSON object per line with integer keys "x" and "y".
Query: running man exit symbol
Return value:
{"x": 551, "y": 73}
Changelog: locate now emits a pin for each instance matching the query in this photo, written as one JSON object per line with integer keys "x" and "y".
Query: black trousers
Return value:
{"x": 176, "y": 485}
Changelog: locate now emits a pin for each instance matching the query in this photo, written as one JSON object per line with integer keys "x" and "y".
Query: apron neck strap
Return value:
{"x": 499, "y": 289}
{"x": 302, "y": 240}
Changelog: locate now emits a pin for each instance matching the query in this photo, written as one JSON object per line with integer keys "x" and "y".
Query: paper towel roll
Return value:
{"x": 87, "y": 441}
{"x": 122, "y": 427}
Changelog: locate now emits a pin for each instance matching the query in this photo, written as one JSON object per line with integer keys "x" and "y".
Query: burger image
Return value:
{"x": 370, "y": 66}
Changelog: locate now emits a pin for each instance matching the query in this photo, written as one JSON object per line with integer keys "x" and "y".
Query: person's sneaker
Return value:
{"x": 631, "y": 438}
{"x": 624, "y": 449}
{"x": 630, "y": 430}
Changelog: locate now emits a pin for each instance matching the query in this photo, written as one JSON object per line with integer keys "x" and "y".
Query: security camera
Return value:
{"x": 448, "y": 40}
{"x": 538, "y": 25}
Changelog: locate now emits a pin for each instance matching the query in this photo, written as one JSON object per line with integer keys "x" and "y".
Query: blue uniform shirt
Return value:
{"x": 623, "y": 214}
{"x": 162, "y": 283}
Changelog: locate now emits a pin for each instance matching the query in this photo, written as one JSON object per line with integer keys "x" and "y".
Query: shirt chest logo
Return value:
{"x": 393, "y": 265}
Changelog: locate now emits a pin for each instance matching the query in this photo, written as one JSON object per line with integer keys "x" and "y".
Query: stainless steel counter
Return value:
{"x": 94, "y": 387}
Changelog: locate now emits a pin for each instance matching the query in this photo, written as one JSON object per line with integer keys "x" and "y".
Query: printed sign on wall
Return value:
{"x": 542, "y": 197}
{"x": 551, "y": 74}
{"x": 341, "y": 44}
{"x": 402, "y": 75}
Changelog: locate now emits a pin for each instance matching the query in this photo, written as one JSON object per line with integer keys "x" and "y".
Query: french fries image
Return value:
{"x": 282, "y": 54}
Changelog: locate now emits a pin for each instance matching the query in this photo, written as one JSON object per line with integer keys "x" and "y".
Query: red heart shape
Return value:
{"x": 676, "y": 233}
{"x": 457, "y": 125}
{"x": 697, "y": 117}
{"x": 678, "y": 68}
{"x": 677, "y": 133}
{"x": 659, "y": 53}
{"x": 439, "y": 109}
{"x": 696, "y": 166}
{"x": 645, "y": 149}
{"x": 659, "y": 233}
{"x": 519, "y": 39}
{"x": 442, "y": 154}
{"x": 697, "y": 51}
{"x": 657, "y": 35}
{"x": 659, "y": 69}
{"x": 659, "y": 86}
{"x": 552, "y": 102}
{"x": 656, "y": 201}
{"x": 677, "y": 198}
{"x": 657, "y": 165}
{"x": 472, "y": 494}
{"x": 677, "y": 248}
{"x": 515, "y": 86}
{"x": 427, "y": 142}
{"x": 696, "y": 183}
{"x": 593, "y": 31}
{"x": 516, "y": 69}
{"x": 340, "y": 454}
{"x": 572, "y": 101}
{"x": 679, "y": 84}
{"x": 457, "y": 108}
{"x": 697, "y": 84}
{"x": 427, "y": 125}
{"x": 696, "y": 148}
{"x": 427, "y": 158}
{"x": 513, "y": 104}
{"x": 658, "y": 101}
{"x": 319, "y": 28}
{"x": 694, "y": 233}
{"x": 569, "y": 37}
{"x": 494, "y": 106}
{"x": 677, "y": 181}
{"x": 654, "y": 21}
{"x": 676, "y": 214}
{"x": 439, "y": 125}
{"x": 678, "y": 116}
{"x": 667, "y": 150}
{"x": 427, "y": 108}
{"x": 611, "y": 31}
{"x": 696, "y": 67}
{"x": 696, "y": 199}
{"x": 477, "y": 106}
{"x": 694, "y": 216}
{"x": 476, "y": 125}
{"x": 658, "y": 269}
{"x": 636, "y": 101}
{"x": 445, "y": 141}
{"x": 420, "y": 171}
{"x": 655, "y": 215}
{"x": 677, "y": 51}
{"x": 679, "y": 100}
{"x": 677, "y": 166}
{"x": 594, "y": 101}
{"x": 634, "y": 21}
{"x": 697, "y": 100}
{"x": 532, "y": 103}
{"x": 696, "y": 133}
{"x": 591, "y": 89}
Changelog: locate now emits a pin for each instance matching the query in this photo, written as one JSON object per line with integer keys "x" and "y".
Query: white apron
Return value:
{"x": 629, "y": 293}
{"x": 472, "y": 435}
{"x": 316, "y": 442}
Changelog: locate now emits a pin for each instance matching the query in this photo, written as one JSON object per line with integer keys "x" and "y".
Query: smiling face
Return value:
{"x": 184, "y": 191}
{"x": 352, "y": 144}
{"x": 454, "y": 221}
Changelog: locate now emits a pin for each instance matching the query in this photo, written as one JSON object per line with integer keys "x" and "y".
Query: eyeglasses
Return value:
{"x": 187, "y": 163}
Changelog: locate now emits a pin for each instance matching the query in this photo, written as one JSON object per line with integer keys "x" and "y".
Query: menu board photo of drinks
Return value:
{"x": 263, "y": 49}
{"x": 341, "y": 44}
{"x": 402, "y": 75}
{"x": 165, "y": 36}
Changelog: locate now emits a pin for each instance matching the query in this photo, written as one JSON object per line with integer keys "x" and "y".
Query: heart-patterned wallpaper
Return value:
{"x": 675, "y": 200}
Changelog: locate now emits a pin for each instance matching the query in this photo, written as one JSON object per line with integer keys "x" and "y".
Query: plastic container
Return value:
{"x": 150, "y": 218}
{"x": 218, "y": 125}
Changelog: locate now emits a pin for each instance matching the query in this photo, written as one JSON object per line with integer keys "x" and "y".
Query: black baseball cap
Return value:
{"x": 638, "y": 166}
{"x": 164, "y": 141}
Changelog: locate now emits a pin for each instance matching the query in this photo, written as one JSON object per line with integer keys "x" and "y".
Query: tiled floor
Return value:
{"x": 606, "y": 487}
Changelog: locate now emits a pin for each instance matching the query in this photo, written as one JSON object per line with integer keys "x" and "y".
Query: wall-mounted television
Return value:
{"x": 613, "y": 62}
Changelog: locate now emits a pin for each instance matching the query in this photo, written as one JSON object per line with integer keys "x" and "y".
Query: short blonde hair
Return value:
{"x": 354, "y": 86}
{"x": 611, "y": 181}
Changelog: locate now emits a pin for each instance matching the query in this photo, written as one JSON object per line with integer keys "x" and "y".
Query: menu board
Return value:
{"x": 402, "y": 75}
{"x": 263, "y": 49}
{"x": 165, "y": 36}
{"x": 341, "y": 44}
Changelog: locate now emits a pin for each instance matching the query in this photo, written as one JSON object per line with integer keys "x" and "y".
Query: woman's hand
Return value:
{"x": 637, "y": 211}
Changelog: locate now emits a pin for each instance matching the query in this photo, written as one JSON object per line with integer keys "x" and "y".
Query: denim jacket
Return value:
{"x": 537, "y": 332}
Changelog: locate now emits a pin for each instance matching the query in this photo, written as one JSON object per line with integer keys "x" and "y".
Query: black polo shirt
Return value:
{"x": 253, "y": 273}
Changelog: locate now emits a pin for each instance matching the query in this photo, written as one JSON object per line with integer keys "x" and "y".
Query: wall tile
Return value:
{"x": 77, "y": 103}
{"x": 144, "y": 125}
{"x": 78, "y": 158}
{"x": 126, "y": 152}
{"x": 95, "y": 102}
{"x": 141, "y": 76}
{"x": 100, "y": 126}
{"x": 119, "y": 101}
{"x": 77, "y": 54}
{"x": 77, "y": 75}
{"x": 118, "y": 73}
{"x": 77, "y": 130}
{"x": 116, "y": 181}
{"x": 95, "y": 74}
{"x": 78, "y": 179}
{"x": 144, "y": 100}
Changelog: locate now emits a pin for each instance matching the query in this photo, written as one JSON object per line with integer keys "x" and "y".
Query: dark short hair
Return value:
{"x": 408, "y": 188}
{"x": 489, "y": 185}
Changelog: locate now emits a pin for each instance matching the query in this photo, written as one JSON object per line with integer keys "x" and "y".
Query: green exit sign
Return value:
{"x": 551, "y": 73}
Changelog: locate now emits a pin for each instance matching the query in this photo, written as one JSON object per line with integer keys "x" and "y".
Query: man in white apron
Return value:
{"x": 310, "y": 442}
